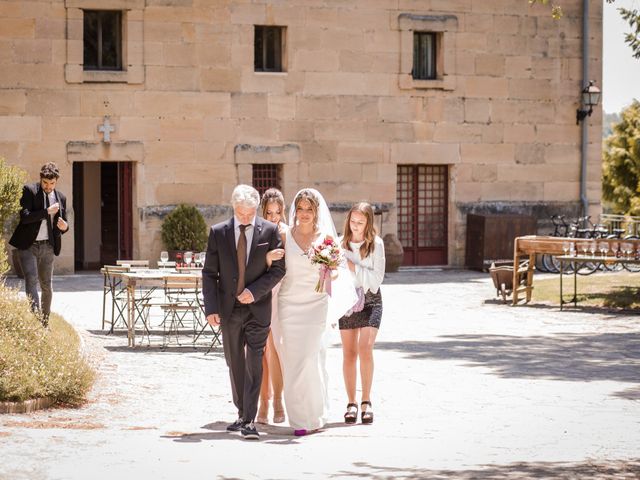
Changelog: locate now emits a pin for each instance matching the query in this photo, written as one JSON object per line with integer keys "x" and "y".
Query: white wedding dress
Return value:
{"x": 300, "y": 337}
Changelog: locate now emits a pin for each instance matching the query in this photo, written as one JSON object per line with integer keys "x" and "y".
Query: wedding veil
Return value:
{"x": 343, "y": 292}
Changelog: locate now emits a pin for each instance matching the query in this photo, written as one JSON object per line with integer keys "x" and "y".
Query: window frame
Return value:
{"x": 101, "y": 14}
{"x": 443, "y": 27}
{"x": 280, "y": 48}
{"x": 131, "y": 44}
{"x": 273, "y": 176}
{"x": 432, "y": 50}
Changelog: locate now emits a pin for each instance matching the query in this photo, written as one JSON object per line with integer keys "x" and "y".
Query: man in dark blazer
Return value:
{"x": 43, "y": 220}
{"x": 236, "y": 284}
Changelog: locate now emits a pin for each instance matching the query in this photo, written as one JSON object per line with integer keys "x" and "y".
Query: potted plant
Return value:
{"x": 184, "y": 229}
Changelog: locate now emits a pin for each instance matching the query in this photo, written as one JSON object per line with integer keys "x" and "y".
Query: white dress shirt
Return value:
{"x": 43, "y": 233}
{"x": 370, "y": 270}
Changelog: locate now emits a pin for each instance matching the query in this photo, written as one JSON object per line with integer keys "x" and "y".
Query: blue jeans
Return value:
{"x": 37, "y": 266}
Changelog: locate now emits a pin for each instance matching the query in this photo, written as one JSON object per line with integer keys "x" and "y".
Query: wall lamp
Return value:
{"x": 590, "y": 98}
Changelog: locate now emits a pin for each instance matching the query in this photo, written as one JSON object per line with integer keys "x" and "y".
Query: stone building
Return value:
{"x": 428, "y": 108}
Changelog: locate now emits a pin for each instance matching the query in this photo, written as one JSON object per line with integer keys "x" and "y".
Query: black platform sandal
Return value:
{"x": 367, "y": 415}
{"x": 352, "y": 413}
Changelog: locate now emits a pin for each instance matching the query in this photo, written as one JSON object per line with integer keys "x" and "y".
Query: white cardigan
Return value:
{"x": 369, "y": 271}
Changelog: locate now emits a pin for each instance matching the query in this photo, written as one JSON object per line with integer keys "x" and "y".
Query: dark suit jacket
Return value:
{"x": 33, "y": 211}
{"x": 220, "y": 272}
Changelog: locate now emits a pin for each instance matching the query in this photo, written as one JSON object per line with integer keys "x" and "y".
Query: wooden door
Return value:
{"x": 422, "y": 198}
{"x": 116, "y": 183}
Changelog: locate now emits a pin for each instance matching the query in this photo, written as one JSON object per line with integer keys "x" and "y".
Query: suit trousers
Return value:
{"x": 37, "y": 266}
{"x": 243, "y": 340}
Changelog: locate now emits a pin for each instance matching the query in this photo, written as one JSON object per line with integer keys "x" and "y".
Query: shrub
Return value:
{"x": 184, "y": 229}
{"x": 11, "y": 181}
{"x": 36, "y": 362}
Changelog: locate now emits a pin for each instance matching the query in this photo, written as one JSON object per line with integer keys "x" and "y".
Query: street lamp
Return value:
{"x": 590, "y": 98}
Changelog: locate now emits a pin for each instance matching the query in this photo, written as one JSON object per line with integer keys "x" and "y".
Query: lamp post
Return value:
{"x": 590, "y": 98}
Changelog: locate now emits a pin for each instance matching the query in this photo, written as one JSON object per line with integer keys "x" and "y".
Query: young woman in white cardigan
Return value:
{"x": 364, "y": 251}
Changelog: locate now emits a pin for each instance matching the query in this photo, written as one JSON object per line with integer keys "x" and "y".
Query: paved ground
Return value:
{"x": 465, "y": 388}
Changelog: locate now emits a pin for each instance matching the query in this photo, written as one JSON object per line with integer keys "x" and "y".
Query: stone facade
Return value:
{"x": 192, "y": 114}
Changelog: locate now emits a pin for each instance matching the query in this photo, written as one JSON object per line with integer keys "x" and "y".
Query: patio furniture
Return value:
{"x": 114, "y": 288}
{"x": 134, "y": 263}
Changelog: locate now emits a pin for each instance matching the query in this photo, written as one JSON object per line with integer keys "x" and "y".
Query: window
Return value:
{"x": 269, "y": 49}
{"x": 427, "y": 51}
{"x": 424, "y": 56}
{"x": 265, "y": 176}
{"x": 102, "y": 39}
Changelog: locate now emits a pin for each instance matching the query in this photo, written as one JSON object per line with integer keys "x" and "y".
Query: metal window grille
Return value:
{"x": 102, "y": 39}
{"x": 265, "y": 176}
{"x": 424, "y": 56}
{"x": 268, "y": 48}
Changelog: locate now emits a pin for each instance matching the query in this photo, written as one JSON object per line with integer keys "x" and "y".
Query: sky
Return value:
{"x": 621, "y": 72}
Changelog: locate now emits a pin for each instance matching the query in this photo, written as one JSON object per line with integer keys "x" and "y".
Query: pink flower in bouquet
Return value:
{"x": 328, "y": 255}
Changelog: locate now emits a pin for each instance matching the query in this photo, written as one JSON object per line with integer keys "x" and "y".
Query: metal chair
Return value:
{"x": 215, "y": 331}
{"x": 180, "y": 307}
{"x": 114, "y": 287}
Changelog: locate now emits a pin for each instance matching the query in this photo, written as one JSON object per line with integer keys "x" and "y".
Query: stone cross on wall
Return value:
{"x": 106, "y": 128}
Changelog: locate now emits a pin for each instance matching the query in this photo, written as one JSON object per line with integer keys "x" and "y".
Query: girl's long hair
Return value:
{"x": 273, "y": 195}
{"x": 369, "y": 243}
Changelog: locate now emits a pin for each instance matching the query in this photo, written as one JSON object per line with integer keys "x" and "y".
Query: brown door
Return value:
{"x": 125, "y": 191}
{"x": 422, "y": 197}
{"x": 116, "y": 211}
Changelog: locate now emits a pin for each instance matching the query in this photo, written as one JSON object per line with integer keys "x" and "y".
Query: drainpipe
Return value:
{"x": 584, "y": 124}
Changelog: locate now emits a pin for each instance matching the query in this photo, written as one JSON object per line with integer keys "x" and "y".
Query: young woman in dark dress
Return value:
{"x": 364, "y": 251}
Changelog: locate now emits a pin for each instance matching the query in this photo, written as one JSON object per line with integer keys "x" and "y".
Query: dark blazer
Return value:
{"x": 33, "y": 211}
{"x": 220, "y": 272}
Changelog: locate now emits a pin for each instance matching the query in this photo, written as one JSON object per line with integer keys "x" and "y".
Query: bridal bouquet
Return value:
{"x": 328, "y": 255}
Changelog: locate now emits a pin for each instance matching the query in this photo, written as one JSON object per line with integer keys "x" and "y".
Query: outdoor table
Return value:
{"x": 576, "y": 259}
{"x": 151, "y": 279}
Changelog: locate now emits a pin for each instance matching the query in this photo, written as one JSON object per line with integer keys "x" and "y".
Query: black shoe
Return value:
{"x": 352, "y": 413}
{"x": 235, "y": 426}
{"x": 366, "y": 416}
{"x": 249, "y": 432}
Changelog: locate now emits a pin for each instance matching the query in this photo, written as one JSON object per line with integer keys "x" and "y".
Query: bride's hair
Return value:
{"x": 273, "y": 195}
{"x": 309, "y": 195}
{"x": 369, "y": 243}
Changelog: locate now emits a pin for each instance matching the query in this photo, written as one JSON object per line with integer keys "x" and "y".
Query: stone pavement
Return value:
{"x": 464, "y": 387}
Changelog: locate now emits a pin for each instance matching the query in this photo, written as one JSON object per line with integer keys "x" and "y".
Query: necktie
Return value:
{"x": 242, "y": 258}
{"x": 49, "y": 224}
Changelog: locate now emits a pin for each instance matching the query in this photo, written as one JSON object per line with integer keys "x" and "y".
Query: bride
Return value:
{"x": 301, "y": 328}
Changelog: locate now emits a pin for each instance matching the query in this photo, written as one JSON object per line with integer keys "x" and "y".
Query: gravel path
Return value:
{"x": 465, "y": 387}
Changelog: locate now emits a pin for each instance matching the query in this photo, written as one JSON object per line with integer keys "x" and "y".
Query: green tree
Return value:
{"x": 621, "y": 163}
{"x": 11, "y": 181}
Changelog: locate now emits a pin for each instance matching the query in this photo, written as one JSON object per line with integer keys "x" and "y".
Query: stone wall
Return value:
{"x": 193, "y": 115}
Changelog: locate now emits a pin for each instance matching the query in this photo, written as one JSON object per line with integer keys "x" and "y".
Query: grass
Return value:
{"x": 610, "y": 290}
{"x": 36, "y": 362}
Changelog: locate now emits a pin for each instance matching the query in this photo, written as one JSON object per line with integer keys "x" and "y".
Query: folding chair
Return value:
{"x": 134, "y": 263}
{"x": 114, "y": 287}
{"x": 216, "y": 341}
{"x": 180, "y": 307}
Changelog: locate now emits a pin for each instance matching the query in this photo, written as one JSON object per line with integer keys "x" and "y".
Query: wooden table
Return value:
{"x": 526, "y": 248}
{"x": 576, "y": 259}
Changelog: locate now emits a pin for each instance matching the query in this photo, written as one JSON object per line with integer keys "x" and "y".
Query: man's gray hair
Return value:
{"x": 246, "y": 196}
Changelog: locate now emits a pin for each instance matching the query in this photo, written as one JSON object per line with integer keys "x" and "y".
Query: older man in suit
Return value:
{"x": 237, "y": 283}
{"x": 43, "y": 220}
